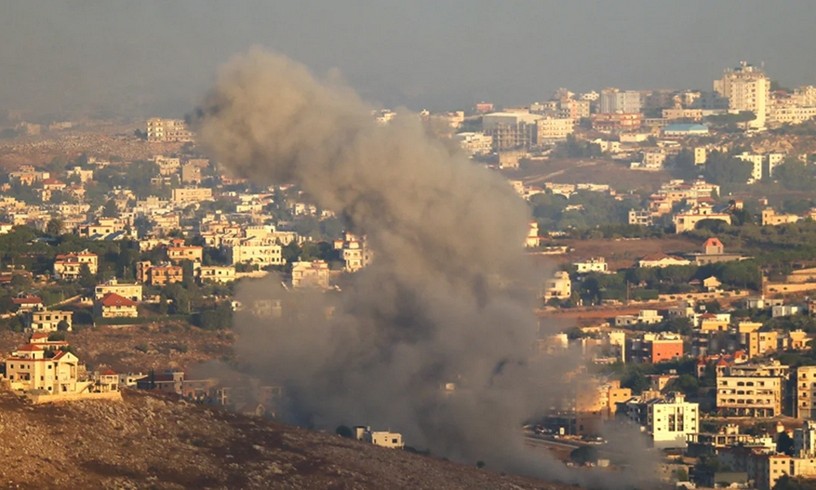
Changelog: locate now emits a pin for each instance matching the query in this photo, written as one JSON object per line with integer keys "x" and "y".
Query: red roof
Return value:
{"x": 113, "y": 299}
{"x": 39, "y": 335}
{"x": 30, "y": 348}
{"x": 28, "y": 300}
{"x": 713, "y": 242}
{"x": 108, "y": 372}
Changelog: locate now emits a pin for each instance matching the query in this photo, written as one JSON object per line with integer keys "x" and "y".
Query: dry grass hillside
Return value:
{"x": 152, "y": 442}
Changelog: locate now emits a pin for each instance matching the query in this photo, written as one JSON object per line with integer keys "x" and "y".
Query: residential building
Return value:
{"x": 168, "y": 130}
{"x": 111, "y": 305}
{"x": 594, "y": 264}
{"x": 49, "y": 320}
{"x": 386, "y": 439}
{"x": 255, "y": 251}
{"x": 550, "y": 129}
{"x": 162, "y": 275}
{"x": 475, "y": 143}
{"x": 189, "y": 252}
{"x": 69, "y": 266}
{"x": 130, "y": 291}
{"x": 216, "y": 273}
{"x": 314, "y": 274}
{"x": 664, "y": 347}
{"x": 761, "y": 343}
{"x": 805, "y": 393}
{"x": 669, "y": 420}
{"x": 769, "y": 217}
{"x": 765, "y": 469}
{"x": 661, "y": 260}
{"x": 753, "y": 390}
{"x": 614, "y": 101}
{"x": 747, "y": 89}
{"x": 511, "y": 130}
{"x": 33, "y": 367}
{"x": 618, "y": 122}
{"x": 756, "y": 164}
{"x": 558, "y": 287}
{"x": 191, "y": 194}
{"x": 688, "y": 220}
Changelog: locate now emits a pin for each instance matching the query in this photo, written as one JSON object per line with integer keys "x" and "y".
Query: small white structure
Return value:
{"x": 392, "y": 440}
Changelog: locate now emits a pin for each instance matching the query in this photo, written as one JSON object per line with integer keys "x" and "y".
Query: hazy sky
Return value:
{"x": 158, "y": 57}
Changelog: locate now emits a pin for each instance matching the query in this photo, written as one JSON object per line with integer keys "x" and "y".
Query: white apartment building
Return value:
{"x": 614, "y": 101}
{"x": 254, "y": 251}
{"x": 594, "y": 264}
{"x": 552, "y": 129}
{"x": 671, "y": 420}
{"x": 747, "y": 89}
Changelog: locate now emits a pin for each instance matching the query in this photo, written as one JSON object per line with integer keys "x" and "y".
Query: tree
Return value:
{"x": 63, "y": 326}
{"x": 794, "y": 175}
{"x": 724, "y": 169}
{"x": 86, "y": 279}
{"x": 784, "y": 444}
{"x": 344, "y": 431}
{"x": 54, "y": 227}
{"x": 795, "y": 483}
{"x": 110, "y": 210}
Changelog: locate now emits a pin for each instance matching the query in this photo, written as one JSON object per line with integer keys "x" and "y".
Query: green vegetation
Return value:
{"x": 575, "y": 148}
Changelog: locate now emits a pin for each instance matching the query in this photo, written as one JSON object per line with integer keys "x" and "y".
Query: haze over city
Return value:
{"x": 375, "y": 244}
{"x": 143, "y": 58}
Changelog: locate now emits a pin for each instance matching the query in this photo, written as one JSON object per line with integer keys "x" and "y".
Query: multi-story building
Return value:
{"x": 168, "y": 130}
{"x": 805, "y": 393}
{"x": 69, "y": 266}
{"x": 753, "y": 390}
{"x": 669, "y": 420}
{"x": 551, "y": 129}
{"x": 593, "y": 264}
{"x": 255, "y": 251}
{"x": 511, "y": 130}
{"x": 192, "y": 194}
{"x": 130, "y": 291}
{"x": 747, "y": 89}
{"x": 558, "y": 287}
{"x": 49, "y": 320}
{"x": 30, "y": 368}
{"x": 189, "y": 252}
{"x": 617, "y": 101}
{"x": 617, "y": 122}
{"x": 475, "y": 143}
{"x": 111, "y": 305}
{"x": 314, "y": 274}
{"x": 216, "y": 273}
{"x": 161, "y": 275}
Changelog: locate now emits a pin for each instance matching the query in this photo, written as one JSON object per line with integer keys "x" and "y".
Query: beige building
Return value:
{"x": 111, "y": 305}
{"x": 130, "y": 291}
{"x": 192, "y": 194}
{"x": 766, "y": 469}
{"x": 383, "y": 438}
{"x": 806, "y": 392}
{"x": 191, "y": 252}
{"x": 771, "y": 218}
{"x": 216, "y": 273}
{"x": 33, "y": 367}
{"x": 753, "y": 390}
{"x": 49, "y": 320}
{"x": 168, "y": 130}
{"x": 558, "y": 287}
{"x": 552, "y": 129}
{"x": 761, "y": 343}
{"x": 69, "y": 266}
{"x": 255, "y": 251}
{"x": 747, "y": 89}
{"x": 313, "y": 274}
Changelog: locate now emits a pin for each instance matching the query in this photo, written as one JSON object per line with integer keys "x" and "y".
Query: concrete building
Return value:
{"x": 753, "y": 390}
{"x": 550, "y": 129}
{"x": 190, "y": 252}
{"x": 33, "y": 367}
{"x": 475, "y": 143}
{"x": 769, "y": 217}
{"x": 756, "y": 162}
{"x": 613, "y": 101}
{"x": 314, "y": 274}
{"x": 805, "y": 393}
{"x": 49, "y": 320}
{"x": 747, "y": 89}
{"x": 221, "y": 274}
{"x": 669, "y": 421}
{"x": 69, "y": 266}
{"x": 168, "y": 130}
{"x": 254, "y": 251}
{"x": 130, "y": 291}
{"x": 511, "y": 130}
{"x": 192, "y": 194}
{"x": 388, "y": 439}
{"x": 594, "y": 264}
{"x": 558, "y": 287}
{"x": 111, "y": 305}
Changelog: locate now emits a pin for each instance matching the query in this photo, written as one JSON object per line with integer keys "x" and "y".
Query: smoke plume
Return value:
{"x": 447, "y": 299}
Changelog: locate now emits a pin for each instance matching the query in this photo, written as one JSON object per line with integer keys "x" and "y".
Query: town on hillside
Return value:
{"x": 675, "y": 232}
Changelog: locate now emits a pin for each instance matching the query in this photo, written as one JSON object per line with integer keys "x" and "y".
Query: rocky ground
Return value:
{"x": 154, "y": 442}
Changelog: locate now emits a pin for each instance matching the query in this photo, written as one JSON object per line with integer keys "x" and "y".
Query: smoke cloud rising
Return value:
{"x": 447, "y": 299}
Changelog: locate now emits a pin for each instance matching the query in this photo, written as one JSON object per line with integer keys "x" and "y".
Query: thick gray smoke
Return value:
{"x": 448, "y": 298}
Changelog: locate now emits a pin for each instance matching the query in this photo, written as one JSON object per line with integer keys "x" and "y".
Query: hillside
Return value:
{"x": 152, "y": 442}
